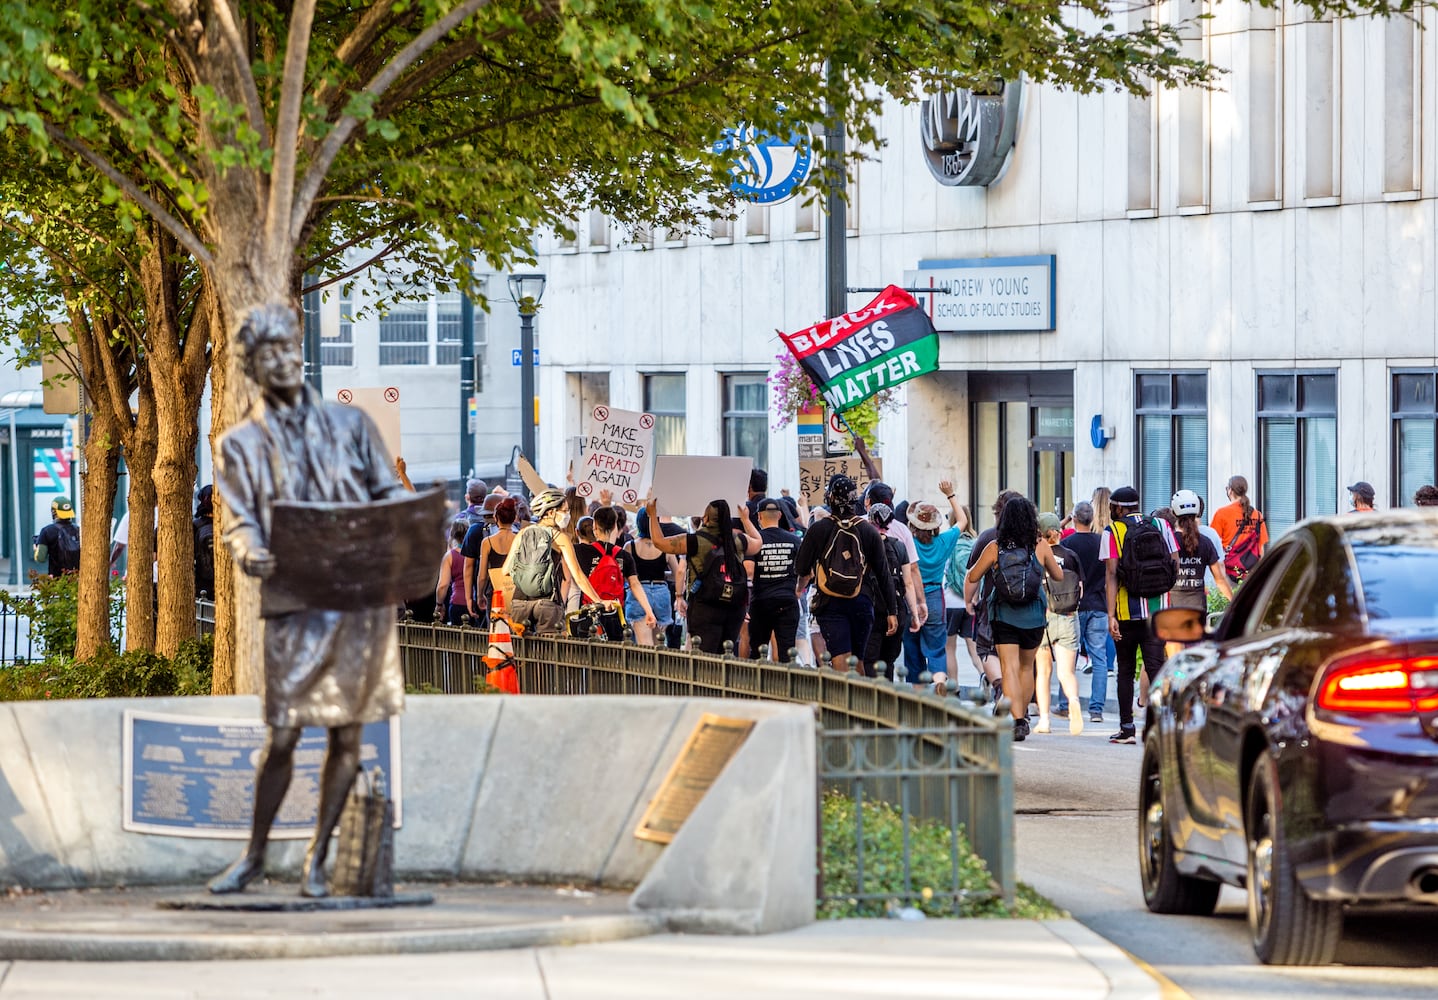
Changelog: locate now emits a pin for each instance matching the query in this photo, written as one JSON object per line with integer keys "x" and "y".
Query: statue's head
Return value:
{"x": 270, "y": 347}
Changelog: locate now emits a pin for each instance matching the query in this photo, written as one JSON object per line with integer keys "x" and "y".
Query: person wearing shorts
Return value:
{"x": 1018, "y": 629}
{"x": 1060, "y": 646}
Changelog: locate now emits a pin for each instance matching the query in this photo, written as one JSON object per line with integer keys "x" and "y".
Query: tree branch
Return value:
{"x": 382, "y": 81}
{"x": 287, "y": 130}
{"x": 176, "y": 228}
{"x": 372, "y": 24}
{"x": 364, "y": 237}
{"x": 225, "y": 17}
{"x": 117, "y": 114}
{"x": 393, "y": 245}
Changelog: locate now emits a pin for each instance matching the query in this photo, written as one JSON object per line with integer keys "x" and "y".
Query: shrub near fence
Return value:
{"x": 931, "y": 760}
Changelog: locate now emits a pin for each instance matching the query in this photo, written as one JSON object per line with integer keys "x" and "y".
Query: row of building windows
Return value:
{"x": 745, "y": 415}
{"x": 1297, "y": 414}
{"x": 420, "y": 328}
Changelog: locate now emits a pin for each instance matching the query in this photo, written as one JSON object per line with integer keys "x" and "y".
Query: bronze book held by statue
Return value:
{"x": 342, "y": 557}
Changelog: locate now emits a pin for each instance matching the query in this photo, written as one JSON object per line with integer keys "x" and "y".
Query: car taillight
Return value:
{"x": 1381, "y": 685}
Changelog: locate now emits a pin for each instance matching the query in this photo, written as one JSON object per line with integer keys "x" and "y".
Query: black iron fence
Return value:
{"x": 934, "y": 763}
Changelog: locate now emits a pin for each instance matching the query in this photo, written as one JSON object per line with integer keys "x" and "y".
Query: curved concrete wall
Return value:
{"x": 528, "y": 788}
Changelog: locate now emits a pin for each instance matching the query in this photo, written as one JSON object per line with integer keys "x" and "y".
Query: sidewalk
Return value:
{"x": 1020, "y": 959}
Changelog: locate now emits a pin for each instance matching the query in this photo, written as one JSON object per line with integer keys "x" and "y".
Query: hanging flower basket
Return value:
{"x": 792, "y": 391}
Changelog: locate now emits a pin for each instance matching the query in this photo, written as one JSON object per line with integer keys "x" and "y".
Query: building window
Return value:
{"x": 746, "y": 417}
{"x": 1297, "y": 446}
{"x": 447, "y": 328}
{"x": 404, "y": 330}
{"x": 1321, "y": 110}
{"x": 339, "y": 351}
{"x": 1265, "y": 105}
{"x": 1172, "y": 435}
{"x": 664, "y": 399}
{"x": 1415, "y": 432}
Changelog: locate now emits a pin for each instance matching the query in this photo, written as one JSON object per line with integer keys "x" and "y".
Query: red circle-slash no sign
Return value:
{"x": 601, "y": 413}
{"x": 345, "y": 396}
{"x": 391, "y": 395}
{"x": 646, "y": 421}
{"x": 630, "y": 496}
{"x": 584, "y": 489}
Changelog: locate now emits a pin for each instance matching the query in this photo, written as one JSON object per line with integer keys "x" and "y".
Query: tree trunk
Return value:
{"x": 176, "y": 359}
{"x": 102, "y": 464}
{"x": 224, "y": 679}
{"x": 140, "y": 448}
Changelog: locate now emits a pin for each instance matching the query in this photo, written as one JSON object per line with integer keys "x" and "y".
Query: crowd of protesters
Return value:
{"x": 906, "y": 589}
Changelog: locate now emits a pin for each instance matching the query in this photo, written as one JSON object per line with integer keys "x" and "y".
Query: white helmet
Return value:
{"x": 1185, "y": 502}
{"x": 546, "y": 501}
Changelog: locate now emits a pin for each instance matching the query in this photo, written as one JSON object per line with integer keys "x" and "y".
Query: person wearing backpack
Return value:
{"x": 883, "y": 648}
{"x": 716, "y": 591}
{"x": 1242, "y": 530}
{"x": 1140, "y": 568}
{"x": 958, "y": 623}
{"x": 58, "y": 543}
{"x": 1015, "y": 563}
{"x": 837, "y": 553}
{"x": 926, "y": 647}
{"x": 537, "y": 563}
{"x": 1061, "y": 629}
{"x": 610, "y": 568}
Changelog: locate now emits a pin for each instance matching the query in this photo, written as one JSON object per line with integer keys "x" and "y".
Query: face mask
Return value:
{"x": 562, "y": 520}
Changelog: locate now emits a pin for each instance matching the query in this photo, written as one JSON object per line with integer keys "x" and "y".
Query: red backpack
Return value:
{"x": 606, "y": 577}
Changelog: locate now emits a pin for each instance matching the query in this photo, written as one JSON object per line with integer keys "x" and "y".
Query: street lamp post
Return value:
{"x": 526, "y": 290}
{"x": 467, "y": 364}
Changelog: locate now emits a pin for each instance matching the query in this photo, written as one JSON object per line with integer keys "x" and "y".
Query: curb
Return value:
{"x": 1129, "y": 978}
{"x": 39, "y": 946}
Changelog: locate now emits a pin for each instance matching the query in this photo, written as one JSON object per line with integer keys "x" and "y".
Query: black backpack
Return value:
{"x": 1017, "y": 576}
{"x": 894, "y": 550}
{"x": 1146, "y": 568}
{"x": 66, "y": 557}
{"x": 1064, "y": 594}
{"x": 722, "y": 580}
{"x": 840, "y": 569}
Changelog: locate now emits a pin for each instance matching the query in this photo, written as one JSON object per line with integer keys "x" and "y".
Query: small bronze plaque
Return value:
{"x": 714, "y": 741}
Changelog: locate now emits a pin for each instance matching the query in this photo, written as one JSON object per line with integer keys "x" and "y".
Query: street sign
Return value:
{"x": 515, "y": 355}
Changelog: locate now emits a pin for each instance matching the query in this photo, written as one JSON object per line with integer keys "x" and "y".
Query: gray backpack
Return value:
{"x": 533, "y": 566}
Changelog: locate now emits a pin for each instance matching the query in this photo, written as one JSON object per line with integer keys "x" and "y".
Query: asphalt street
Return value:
{"x": 1076, "y": 798}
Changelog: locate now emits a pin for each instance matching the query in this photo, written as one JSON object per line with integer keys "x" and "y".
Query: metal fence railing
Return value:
{"x": 18, "y": 643}
{"x": 933, "y": 761}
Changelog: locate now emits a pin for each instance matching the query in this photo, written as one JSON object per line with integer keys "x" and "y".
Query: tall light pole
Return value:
{"x": 526, "y": 290}
{"x": 467, "y": 365}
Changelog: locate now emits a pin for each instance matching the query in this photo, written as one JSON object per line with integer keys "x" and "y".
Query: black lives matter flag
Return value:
{"x": 859, "y": 354}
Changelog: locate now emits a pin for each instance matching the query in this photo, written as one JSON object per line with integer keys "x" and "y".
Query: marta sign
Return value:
{"x": 984, "y": 294}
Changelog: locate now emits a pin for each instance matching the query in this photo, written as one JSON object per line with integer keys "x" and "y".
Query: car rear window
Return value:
{"x": 1400, "y": 586}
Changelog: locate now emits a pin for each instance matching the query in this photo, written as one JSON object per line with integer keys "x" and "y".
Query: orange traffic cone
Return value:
{"x": 499, "y": 657}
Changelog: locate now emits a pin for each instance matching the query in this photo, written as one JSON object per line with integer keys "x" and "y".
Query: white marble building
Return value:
{"x": 1244, "y": 284}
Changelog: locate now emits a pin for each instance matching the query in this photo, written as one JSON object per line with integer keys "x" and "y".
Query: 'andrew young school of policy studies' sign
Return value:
{"x": 984, "y": 294}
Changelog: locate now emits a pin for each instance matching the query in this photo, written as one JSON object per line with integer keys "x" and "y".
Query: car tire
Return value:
{"x": 1165, "y": 889}
{"x": 1288, "y": 927}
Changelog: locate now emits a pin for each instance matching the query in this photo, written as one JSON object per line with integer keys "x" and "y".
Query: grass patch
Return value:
{"x": 931, "y": 868}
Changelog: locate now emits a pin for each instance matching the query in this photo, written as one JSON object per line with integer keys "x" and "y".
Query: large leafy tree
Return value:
{"x": 266, "y": 138}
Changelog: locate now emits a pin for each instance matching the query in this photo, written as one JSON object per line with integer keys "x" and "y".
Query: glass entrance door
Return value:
{"x": 1053, "y": 458}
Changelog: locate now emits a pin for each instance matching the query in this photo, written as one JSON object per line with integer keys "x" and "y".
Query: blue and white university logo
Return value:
{"x": 767, "y": 168}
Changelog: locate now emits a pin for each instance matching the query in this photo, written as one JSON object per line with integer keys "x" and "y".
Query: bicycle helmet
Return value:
{"x": 546, "y": 502}
{"x": 1185, "y": 502}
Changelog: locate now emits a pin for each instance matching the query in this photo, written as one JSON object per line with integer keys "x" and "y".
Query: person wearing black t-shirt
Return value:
{"x": 846, "y": 622}
{"x": 774, "y": 604}
{"x": 588, "y": 554}
{"x": 1092, "y": 611}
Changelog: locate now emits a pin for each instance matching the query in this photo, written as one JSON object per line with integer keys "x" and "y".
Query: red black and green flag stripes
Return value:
{"x": 859, "y": 354}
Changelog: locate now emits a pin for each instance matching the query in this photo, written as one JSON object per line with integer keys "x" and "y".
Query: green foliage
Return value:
{"x": 132, "y": 674}
{"x": 51, "y": 608}
{"x": 931, "y": 863}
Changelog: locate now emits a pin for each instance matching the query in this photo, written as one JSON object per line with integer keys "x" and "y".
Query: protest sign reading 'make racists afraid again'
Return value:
{"x": 859, "y": 354}
{"x": 618, "y": 454}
